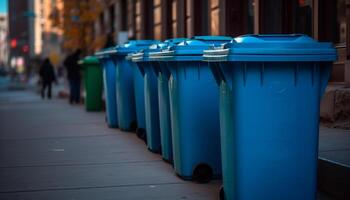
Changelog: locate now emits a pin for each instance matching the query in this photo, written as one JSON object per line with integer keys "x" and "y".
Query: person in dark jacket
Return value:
{"x": 47, "y": 75}
{"x": 73, "y": 75}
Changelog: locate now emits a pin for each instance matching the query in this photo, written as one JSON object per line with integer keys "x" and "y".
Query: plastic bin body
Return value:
{"x": 149, "y": 69}
{"x": 130, "y": 99}
{"x": 125, "y": 94}
{"x": 194, "y": 118}
{"x": 139, "y": 92}
{"x": 164, "y": 112}
{"x": 93, "y": 81}
{"x": 150, "y": 94}
{"x": 194, "y": 108}
{"x": 151, "y": 105}
{"x": 109, "y": 82}
{"x": 269, "y": 115}
{"x": 152, "y": 108}
{"x": 157, "y": 139}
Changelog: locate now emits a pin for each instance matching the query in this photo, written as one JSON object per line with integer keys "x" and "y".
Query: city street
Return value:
{"x": 250, "y": 99}
{"x": 52, "y": 150}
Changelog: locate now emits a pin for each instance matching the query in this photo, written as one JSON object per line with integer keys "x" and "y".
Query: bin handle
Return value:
{"x": 137, "y": 56}
{"x": 216, "y": 51}
{"x": 215, "y": 55}
{"x": 99, "y": 53}
{"x": 111, "y": 51}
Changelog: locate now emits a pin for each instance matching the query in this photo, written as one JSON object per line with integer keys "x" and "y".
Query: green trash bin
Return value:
{"x": 93, "y": 81}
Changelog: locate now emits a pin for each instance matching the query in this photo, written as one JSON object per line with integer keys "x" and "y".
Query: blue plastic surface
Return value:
{"x": 149, "y": 70}
{"x": 139, "y": 90}
{"x": 152, "y": 107}
{"x": 269, "y": 115}
{"x": 139, "y": 82}
{"x": 163, "y": 74}
{"x": 134, "y": 46}
{"x": 109, "y": 82}
{"x": 194, "y": 107}
{"x": 125, "y": 94}
{"x": 279, "y": 48}
{"x": 164, "y": 112}
{"x": 126, "y": 87}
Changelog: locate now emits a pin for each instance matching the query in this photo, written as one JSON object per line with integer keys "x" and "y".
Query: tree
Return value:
{"x": 78, "y": 23}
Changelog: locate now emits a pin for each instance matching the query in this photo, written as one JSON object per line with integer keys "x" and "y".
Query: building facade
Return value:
{"x": 48, "y": 31}
{"x": 33, "y": 33}
{"x": 3, "y": 40}
{"x": 20, "y": 36}
{"x": 323, "y": 20}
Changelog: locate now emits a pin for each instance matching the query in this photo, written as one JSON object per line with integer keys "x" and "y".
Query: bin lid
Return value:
{"x": 154, "y": 52}
{"x": 134, "y": 46}
{"x": 192, "y": 49}
{"x": 174, "y": 41}
{"x": 277, "y": 47}
{"x": 143, "y": 55}
{"x": 89, "y": 60}
{"x": 105, "y": 52}
{"x": 146, "y": 54}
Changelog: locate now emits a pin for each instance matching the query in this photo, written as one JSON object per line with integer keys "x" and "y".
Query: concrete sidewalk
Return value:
{"x": 335, "y": 145}
{"x": 52, "y": 150}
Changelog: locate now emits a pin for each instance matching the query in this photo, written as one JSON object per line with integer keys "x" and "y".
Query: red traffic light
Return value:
{"x": 13, "y": 43}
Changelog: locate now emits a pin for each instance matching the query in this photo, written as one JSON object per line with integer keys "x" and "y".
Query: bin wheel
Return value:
{"x": 133, "y": 126}
{"x": 202, "y": 173}
{"x": 141, "y": 133}
{"x": 222, "y": 193}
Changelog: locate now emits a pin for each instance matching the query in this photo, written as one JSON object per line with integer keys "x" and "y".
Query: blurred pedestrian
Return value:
{"x": 47, "y": 76}
{"x": 73, "y": 76}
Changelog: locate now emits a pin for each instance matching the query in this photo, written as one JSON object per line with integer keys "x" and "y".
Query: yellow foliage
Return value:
{"x": 78, "y": 21}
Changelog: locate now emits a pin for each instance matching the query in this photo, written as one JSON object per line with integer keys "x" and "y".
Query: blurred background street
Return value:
{"x": 51, "y": 148}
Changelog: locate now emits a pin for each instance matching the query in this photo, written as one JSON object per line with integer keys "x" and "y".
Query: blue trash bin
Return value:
{"x": 126, "y": 106}
{"x": 270, "y": 91}
{"x": 194, "y": 109}
{"x": 163, "y": 74}
{"x": 139, "y": 88}
{"x": 149, "y": 69}
{"x": 109, "y": 82}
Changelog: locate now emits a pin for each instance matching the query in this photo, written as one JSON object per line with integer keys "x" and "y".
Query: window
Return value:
{"x": 174, "y": 18}
{"x": 214, "y": 17}
{"x": 189, "y": 19}
{"x": 157, "y": 19}
{"x": 138, "y": 19}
